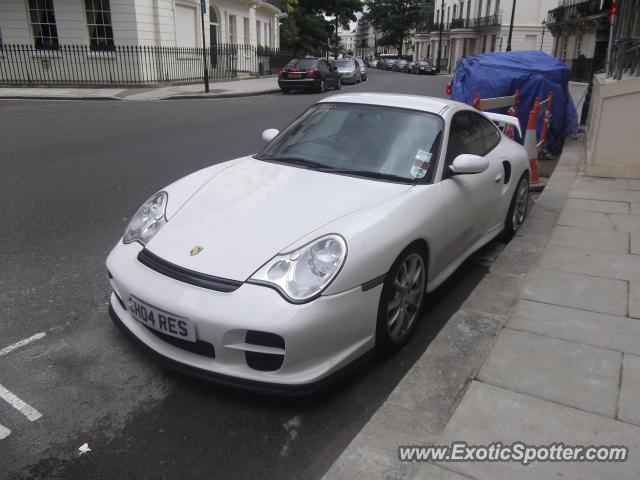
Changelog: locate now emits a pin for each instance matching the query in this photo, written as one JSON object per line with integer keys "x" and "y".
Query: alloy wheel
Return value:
{"x": 406, "y": 297}
{"x": 522, "y": 199}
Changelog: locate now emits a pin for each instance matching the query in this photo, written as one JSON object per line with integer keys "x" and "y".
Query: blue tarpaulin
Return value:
{"x": 535, "y": 73}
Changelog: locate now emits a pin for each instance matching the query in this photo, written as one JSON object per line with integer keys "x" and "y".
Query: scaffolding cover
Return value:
{"x": 535, "y": 73}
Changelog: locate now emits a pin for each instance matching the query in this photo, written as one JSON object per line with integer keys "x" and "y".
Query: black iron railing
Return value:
{"x": 488, "y": 21}
{"x": 570, "y": 12}
{"x": 581, "y": 69}
{"x": 279, "y": 4}
{"x": 78, "y": 65}
{"x": 462, "y": 23}
{"x": 625, "y": 45}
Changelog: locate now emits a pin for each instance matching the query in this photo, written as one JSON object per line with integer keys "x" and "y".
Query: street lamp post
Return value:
{"x": 203, "y": 8}
{"x": 440, "y": 39}
{"x": 513, "y": 11}
{"x": 544, "y": 27}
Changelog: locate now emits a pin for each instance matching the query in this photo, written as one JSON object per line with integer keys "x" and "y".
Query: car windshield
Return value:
{"x": 363, "y": 140}
{"x": 424, "y": 63}
{"x": 344, "y": 63}
{"x": 303, "y": 63}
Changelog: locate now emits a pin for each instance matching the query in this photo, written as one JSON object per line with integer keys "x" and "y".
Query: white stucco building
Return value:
{"x": 347, "y": 40}
{"x": 106, "y": 23}
{"x": 135, "y": 42}
{"x": 476, "y": 26}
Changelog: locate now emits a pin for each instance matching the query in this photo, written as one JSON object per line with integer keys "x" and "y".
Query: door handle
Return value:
{"x": 498, "y": 178}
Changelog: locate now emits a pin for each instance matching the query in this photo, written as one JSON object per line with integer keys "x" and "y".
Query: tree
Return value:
{"x": 395, "y": 19}
{"x": 311, "y": 23}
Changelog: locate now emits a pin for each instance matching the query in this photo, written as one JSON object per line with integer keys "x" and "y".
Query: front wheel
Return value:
{"x": 517, "y": 209}
{"x": 401, "y": 299}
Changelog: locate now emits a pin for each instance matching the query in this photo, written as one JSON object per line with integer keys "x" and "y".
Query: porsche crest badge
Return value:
{"x": 195, "y": 250}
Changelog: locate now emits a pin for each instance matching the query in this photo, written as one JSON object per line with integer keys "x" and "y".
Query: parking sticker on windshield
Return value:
{"x": 421, "y": 164}
{"x": 423, "y": 155}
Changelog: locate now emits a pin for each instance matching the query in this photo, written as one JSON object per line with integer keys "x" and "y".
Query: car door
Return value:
{"x": 327, "y": 73}
{"x": 470, "y": 200}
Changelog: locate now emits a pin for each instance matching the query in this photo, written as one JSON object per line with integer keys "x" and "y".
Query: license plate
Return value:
{"x": 295, "y": 75}
{"x": 162, "y": 321}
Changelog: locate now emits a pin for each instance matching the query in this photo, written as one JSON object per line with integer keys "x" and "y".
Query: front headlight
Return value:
{"x": 304, "y": 273}
{"x": 148, "y": 220}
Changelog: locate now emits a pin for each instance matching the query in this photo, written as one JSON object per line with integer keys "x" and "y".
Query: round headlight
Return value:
{"x": 304, "y": 273}
{"x": 148, "y": 220}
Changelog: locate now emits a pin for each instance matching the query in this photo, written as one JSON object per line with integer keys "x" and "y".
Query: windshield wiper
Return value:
{"x": 365, "y": 173}
{"x": 303, "y": 162}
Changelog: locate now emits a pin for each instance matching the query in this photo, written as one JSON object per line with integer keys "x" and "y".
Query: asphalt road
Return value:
{"x": 71, "y": 174}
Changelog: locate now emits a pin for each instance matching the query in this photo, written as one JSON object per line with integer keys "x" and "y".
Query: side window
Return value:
{"x": 471, "y": 133}
{"x": 491, "y": 134}
{"x": 465, "y": 136}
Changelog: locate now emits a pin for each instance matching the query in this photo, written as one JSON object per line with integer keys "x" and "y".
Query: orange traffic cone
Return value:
{"x": 449, "y": 88}
{"x": 530, "y": 143}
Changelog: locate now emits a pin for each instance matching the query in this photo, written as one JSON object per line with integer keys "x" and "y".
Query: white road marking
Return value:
{"x": 22, "y": 343}
{"x": 4, "y": 432}
{"x": 20, "y": 405}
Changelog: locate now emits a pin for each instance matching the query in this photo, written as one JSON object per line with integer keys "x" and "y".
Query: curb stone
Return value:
{"x": 418, "y": 409}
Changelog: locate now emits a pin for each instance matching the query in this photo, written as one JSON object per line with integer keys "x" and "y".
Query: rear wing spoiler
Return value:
{"x": 503, "y": 121}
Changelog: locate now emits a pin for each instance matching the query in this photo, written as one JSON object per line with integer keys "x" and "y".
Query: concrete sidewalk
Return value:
{"x": 546, "y": 349}
{"x": 229, "y": 89}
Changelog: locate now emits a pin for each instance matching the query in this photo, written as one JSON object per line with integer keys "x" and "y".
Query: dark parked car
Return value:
{"x": 423, "y": 68}
{"x": 386, "y": 63}
{"x": 398, "y": 65}
{"x": 308, "y": 74}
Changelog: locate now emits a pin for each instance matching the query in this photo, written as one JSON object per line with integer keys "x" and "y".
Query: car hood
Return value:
{"x": 253, "y": 210}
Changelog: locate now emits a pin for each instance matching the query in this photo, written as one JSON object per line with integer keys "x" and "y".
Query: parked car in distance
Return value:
{"x": 348, "y": 70}
{"x": 333, "y": 236}
{"x": 363, "y": 68}
{"x": 398, "y": 65}
{"x": 423, "y": 67}
{"x": 308, "y": 74}
{"x": 387, "y": 63}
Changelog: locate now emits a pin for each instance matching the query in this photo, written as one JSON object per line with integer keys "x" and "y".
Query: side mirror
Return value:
{"x": 269, "y": 134}
{"x": 469, "y": 164}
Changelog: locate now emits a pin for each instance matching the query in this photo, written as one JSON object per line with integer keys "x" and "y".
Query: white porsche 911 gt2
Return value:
{"x": 275, "y": 271}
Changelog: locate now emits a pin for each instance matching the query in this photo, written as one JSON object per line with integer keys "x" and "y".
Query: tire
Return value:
{"x": 517, "y": 209}
{"x": 339, "y": 84}
{"x": 321, "y": 87}
{"x": 396, "y": 324}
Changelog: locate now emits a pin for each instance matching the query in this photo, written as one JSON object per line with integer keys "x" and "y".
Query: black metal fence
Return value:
{"x": 582, "y": 69}
{"x": 78, "y": 65}
{"x": 625, "y": 44}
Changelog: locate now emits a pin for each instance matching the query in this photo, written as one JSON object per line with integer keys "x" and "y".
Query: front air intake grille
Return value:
{"x": 198, "y": 347}
{"x": 185, "y": 275}
{"x": 264, "y": 362}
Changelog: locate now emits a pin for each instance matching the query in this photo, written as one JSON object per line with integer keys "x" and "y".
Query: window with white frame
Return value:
{"x": 486, "y": 13}
{"x": 232, "y": 28}
{"x": 247, "y": 40}
{"x": 43, "y": 24}
{"x": 258, "y": 31}
{"x": 497, "y": 8}
{"x": 266, "y": 34}
{"x": 99, "y": 24}
{"x": 0, "y": 40}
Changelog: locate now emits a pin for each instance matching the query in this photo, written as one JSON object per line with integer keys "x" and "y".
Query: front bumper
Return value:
{"x": 320, "y": 337}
